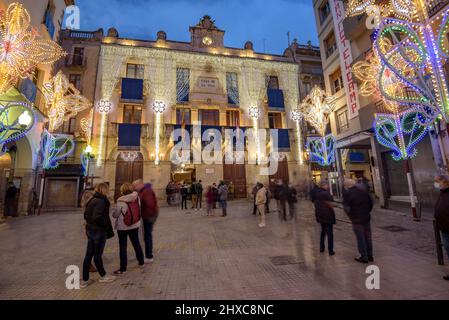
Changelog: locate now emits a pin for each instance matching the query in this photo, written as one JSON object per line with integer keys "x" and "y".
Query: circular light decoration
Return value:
{"x": 296, "y": 115}
{"x": 254, "y": 112}
{"x": 16, "y": 120}
{"x": 207, "y": 41}
{"x": 129, "y": 156}
{"x": 104, "y": 106}
{"x": 159, "y": 106}
{"x": 25, "y": 119}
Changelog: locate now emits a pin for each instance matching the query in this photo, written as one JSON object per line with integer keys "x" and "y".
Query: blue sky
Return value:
{"x": 242, "y": 20}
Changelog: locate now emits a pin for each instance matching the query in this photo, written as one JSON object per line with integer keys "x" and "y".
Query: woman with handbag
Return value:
{"x": 127, "y": 223}
{"x": 98, "y": 229}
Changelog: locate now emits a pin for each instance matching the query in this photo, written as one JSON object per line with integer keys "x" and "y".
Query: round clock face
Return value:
{"x": 207, "y": 41}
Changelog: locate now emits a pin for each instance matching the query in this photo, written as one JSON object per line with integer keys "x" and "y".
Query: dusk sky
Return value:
{"x": 243, "y": 20}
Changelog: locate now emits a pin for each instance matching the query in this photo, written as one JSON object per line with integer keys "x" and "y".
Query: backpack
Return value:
{"x": 132, "y": 215}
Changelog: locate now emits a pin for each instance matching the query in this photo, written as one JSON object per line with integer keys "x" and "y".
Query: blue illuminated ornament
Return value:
{"x": 322, "y": 150}
{"x": 16, "y": 120}
{"x": 401, "y": 132}
{"x": 55, "y": 147}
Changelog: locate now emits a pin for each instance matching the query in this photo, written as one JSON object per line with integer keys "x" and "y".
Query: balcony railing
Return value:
{"x": 433, "y": 6}
{"x": 81, "y": 34}
{"x": 76, "y": 61}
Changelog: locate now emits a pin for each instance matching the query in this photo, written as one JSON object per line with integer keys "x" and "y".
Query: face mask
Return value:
{"x": 437, "y": 186}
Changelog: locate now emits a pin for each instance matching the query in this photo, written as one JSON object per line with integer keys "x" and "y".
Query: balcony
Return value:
{"x": 132, "y": 90}
{"x": 354, "y": 26}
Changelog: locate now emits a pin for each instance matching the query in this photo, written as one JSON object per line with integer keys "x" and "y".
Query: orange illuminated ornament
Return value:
{"x": 21, "y": 48}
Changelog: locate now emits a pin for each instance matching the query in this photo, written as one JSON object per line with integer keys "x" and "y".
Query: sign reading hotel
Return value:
{"x": 344, "y": 48}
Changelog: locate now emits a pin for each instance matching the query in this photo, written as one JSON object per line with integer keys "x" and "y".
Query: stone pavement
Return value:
{"x": 226, "y": 258}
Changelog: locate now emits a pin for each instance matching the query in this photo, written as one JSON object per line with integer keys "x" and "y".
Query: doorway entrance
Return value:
{"x": 236, "y": 173}
{"x": 127, "y": 171}
{"x": 281, "y": 173}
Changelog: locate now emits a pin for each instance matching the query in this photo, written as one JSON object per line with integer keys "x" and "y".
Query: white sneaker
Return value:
{"x": 85, "y": 284}
{"x": 107, "y": 279}
{"x": 148, "y": 261}
{"x": 262, "y": 225}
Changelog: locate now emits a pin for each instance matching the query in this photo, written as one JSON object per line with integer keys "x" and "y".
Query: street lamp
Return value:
{"x": 25, "y": 119}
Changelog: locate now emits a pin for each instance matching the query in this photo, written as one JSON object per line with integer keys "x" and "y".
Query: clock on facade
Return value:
{"x": 207, "y": 41}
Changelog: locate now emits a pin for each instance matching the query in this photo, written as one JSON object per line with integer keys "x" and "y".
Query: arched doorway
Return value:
{"x": 5, "y": 174}
{"x": 128, "y": 169}
{"x": 282, "y": 173}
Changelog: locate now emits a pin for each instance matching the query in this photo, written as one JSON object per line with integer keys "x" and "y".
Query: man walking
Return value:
{"x": 184, "y": 195}
{"x": 325, "y": 216}
{"x": 194, "y": 193}
{"x": 200, "y": 194}
{"x": 260, "y": 201}
{"x": 223, "y": 195}
{"x": 358, "y": 205}
{"x": 442, "y": 211}
{"x": 150, "y": 213}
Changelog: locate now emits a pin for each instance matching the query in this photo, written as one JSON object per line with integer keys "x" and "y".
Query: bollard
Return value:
{"x": 439, "y": 244}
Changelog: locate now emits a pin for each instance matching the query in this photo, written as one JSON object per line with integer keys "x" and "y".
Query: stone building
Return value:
{"x": 199, "y": 85}
{"x": 21, "y": 162}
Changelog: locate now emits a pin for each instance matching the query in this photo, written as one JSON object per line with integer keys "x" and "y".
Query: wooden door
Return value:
{"x": 236, "y": 173}
{"x": 127, "y": 171}
{"x": 281, "y": 173}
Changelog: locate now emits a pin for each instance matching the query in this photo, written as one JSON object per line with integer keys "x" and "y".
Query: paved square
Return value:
{"x": 200, "y": 257}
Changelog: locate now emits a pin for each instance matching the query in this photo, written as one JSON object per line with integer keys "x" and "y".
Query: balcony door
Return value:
{"x": 127, "y": 171}
{"x": 209, "y": 117}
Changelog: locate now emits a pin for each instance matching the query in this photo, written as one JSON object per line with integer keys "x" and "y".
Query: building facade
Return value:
{"x": 202, "y": 86}
{"x": 20, "y": 164}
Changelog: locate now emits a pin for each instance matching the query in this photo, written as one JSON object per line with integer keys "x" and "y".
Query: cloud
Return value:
{"x": 264, "y": 22}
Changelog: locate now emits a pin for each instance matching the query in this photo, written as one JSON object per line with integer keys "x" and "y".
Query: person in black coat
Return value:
{"x": 325, "y": 215}
{"x": 98, "y": 230}
{"x": 313, "y": 191}
{"x": 358, "y": 206}
{"x": 442, "y": 211}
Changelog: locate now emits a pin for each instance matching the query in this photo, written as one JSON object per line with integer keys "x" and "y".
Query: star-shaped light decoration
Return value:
{"x": 254, "y": 112}
{"x": 316, "y": 108}
{"x": 403, "y": 9}
{"x": 296, "y": 115}
{"x": 63, "y": 101}
{"x": 159, "y": 107}
{"x": 104, "y": 106}
{"x": 21, "y": 48}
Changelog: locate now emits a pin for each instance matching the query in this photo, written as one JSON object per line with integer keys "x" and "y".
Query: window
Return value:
{"x": 48, "y": 19}
{"x": 342, "y": 120}
{"x": 307, "y": 87}
{"x": 75, "y": 79}
{"x": 183, "y": 117}
{"x": 330, "y": 44}
{"x": 275, "y": 120}
{"x": 132, "y": 114}
{"x": 232, "y": 86}
{"x": 209, "y": 117}
{"x": 273, "y": 82}
{"x": 336, "y": 80}
{"x": 182, "y": 84}
{"x": 233, "y": 118}
{"x": 69, "y": 126}
{"x": 324, "y": 11}
{"x": 78, "y": 56}
{"x": 135, "y": 71}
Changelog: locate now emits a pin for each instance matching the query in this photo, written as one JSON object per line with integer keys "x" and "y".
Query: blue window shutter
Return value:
{"x": 275, "y": 99}
{"x": 132, "y": 89}
{"x": 283, "y": 139}
{"x": 129, "y": 135}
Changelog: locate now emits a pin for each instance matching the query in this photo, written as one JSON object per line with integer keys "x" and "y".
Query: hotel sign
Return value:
{"x": 344, "y": 48}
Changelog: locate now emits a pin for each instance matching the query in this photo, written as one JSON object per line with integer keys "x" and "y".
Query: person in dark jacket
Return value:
{"x": 442, "y": 211}
{"x": 313, "y": 191}
{"x": 325, "y": 216}
{"x": 11, "y": 200}
{"x": 283, "y": 195}
{"x": 150, "y": 213}
{"x": 184, "y": 195}
{"x": 98, "y": 230}
{"x": 358, "y": 206}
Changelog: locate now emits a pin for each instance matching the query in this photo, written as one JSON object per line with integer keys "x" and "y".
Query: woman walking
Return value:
{"x": 210, "y": 198}
{"x": 98, "y": 229}
{"x": 127, "y": 223}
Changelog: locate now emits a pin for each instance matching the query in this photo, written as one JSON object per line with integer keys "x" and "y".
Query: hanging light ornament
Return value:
{"x": 16, "y": 120}
{"x": 159, "y": 107}
{"x": 54, "y": 148}
{"x": 403, "y": 9}
{"x": 316, "y": 109}
{"x": 63, "y": 101}
{"x": 21, "y": 48}
{"x": 104, "y": 106}
{"x": 254, "y": 112}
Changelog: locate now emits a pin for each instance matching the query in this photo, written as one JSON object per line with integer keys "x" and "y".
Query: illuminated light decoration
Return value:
{"x": 401, "y": 132}
{"x": 296, "y": 116}
{"x": 86, "y": 156}
{"x": 129, "y": 156}
{"x": 403, "y": 9}
{"x": 21, "y": 48}
{"x": 16, "y": 120}
{"x": 86, "y": 126}
{"x": 316, "y": 109}
{"x": 54, "y": 148}
{"x": 322, "y": 150}
{"x": 158, "y": 108}
{"x": 104, "y": 106}
{"x": 63, "y": 101}
{"x": 254, "y": 112}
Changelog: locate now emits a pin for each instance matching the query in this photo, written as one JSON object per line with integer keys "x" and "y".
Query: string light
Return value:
{"x": 403, "y": 9}
{"x": 322, "y": 150}
{"x": 16, "y": 120}
{"x": 54, "y": 148}
{"x": 63, "y": 101}
{"x": 21, "y": 48}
